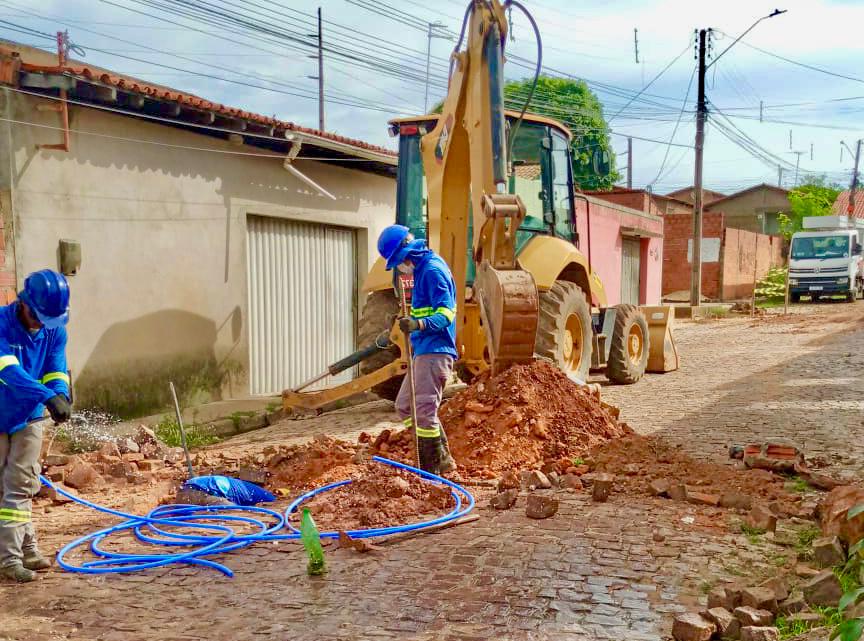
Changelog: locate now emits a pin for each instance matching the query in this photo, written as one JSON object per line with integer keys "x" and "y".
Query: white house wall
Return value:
{"x": 162, "y": 291}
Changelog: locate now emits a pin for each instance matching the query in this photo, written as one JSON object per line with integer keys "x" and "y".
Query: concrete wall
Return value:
{"x": 162, "y": 291}
{"x": 747, "y": 257}
{"x": 607, "y": 221}
{"x": 677, "y": 234}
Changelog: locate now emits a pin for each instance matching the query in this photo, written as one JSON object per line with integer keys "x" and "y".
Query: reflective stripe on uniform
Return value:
{"x": 429, "y": 432}
{"x": 55, "y": 376}
{"x": 408, "y": 422}
{"x": 448, "y": 313}
{"x": 6, "y": 361}
{"x": 9, "y": 514}
{"x": 425, "y": 312}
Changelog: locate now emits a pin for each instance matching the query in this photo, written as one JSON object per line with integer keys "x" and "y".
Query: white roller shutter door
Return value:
{"x": 302, "y": 301}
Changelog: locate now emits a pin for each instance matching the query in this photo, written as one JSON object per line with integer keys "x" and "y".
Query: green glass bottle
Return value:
{"x": 312, "y": 542}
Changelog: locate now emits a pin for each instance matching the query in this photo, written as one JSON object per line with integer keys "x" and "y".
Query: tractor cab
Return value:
{"x": 541, "y": 176}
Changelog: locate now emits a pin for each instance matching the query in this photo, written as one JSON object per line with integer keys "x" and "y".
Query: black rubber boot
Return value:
{"x": 429, "y": 450}
{"x": 448, "y": 464}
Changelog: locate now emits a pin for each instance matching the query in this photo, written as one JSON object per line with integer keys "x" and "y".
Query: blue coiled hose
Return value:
{"x": 220, "y": 536}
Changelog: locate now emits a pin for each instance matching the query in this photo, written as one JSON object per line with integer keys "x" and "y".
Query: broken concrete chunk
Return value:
{"x": 701, "y": 498}
{"x": 761, "y": 518}
{"x": 762, "y": 598}
{"x": 509, "y": 481}
{"x": 504, "y": 500}
{"x": 828, "y": 552}
{"x": 145, "y": 435}
{"x": 823, "y": 589}
{"x": 736, "y": 501}
{"x": 570, "y": 482}
{"x": 677, "y": 492}
{"x": 108, "y": 452}
{"x": 728, "y": 627}
{"x": 602, "y": 487}
{"x": 749, "y": 616}
{"x": 692, "y": 627}
{"x": 778, "y": 585}
{"x": 539, "y": 480}
{"x": 122, "y": 469}
{"x": 759, "y": 633}
{"x": 719, "y": 598}
{"x": 805, "y": 571}
{"x": 541, "y": 507}
{"x": 126, "y": 445}
{"x": 56, "y": 460}
{"x": 81, "y": 476}
{"x": 795, "y": 603}
{"x": 659, "y": 487}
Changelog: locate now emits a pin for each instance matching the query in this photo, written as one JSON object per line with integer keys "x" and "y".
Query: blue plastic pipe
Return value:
{"x": 220, "y": 537}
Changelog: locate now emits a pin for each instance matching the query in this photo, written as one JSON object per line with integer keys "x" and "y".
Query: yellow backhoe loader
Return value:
{"x": 492, "y": 192}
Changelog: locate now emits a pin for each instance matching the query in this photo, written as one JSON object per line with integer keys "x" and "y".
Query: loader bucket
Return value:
{"x": 662, "y": 354}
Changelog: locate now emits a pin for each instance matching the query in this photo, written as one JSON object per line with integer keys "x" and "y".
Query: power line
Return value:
{"x": 675, "y": 130}
{"x": 803, "y": 64}
{"x": 653, "y": 80}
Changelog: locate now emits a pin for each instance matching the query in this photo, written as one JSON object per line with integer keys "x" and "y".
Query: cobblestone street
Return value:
{"x": 615, "y": 570}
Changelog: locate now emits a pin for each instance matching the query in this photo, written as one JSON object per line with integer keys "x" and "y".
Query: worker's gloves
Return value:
{"x": 59, "y": 408}
{"x": 409, "y": 324}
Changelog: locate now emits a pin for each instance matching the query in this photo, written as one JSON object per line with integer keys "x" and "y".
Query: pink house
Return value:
{"x": 624, "y": 246}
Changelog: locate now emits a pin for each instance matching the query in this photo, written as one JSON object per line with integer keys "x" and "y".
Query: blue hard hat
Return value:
{"x": 46, "y": 293}
{"x": 392, "y": 244}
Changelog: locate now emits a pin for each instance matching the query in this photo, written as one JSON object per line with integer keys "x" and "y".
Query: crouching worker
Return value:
{"x": 432, "y": 324}
{"x": 33, "y": 377}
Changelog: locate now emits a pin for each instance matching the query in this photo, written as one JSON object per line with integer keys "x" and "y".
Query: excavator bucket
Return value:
{"x": 509, "y": 305}
{"x": 662, "y": 353}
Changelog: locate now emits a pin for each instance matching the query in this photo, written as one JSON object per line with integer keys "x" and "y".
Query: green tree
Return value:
{"x": 572, "y": 103}
{"x": 815, "y": 198}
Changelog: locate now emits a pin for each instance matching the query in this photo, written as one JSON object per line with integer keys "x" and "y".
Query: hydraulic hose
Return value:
{"x": 219, "y": 536}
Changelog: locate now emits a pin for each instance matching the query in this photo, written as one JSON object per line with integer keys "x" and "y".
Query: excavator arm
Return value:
{"x": 465, "y": 163}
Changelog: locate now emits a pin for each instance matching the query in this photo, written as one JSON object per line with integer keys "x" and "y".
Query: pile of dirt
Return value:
{"x": 322, "y": 460}
{"x": 379, "y": 496}
{"x": 527, "y": 416}
{"x": 638, "y": 460}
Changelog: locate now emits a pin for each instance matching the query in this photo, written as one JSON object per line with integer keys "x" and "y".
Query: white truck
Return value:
{"x": 825, "y": 258}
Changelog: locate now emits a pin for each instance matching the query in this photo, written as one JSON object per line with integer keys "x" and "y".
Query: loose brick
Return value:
{"x": 692, "y": 627}
{"x": 541, "y": 507}
{"x": 759, "y": 633}
{"x": 749, "y": 616}
{"x": 727, "y": 625}
{"x": 823, "y": 589}
{"x": 762, "y": 598}
{"x": 828, "y": 552}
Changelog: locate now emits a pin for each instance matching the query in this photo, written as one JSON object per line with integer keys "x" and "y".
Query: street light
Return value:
{"x": 776, "y": 12}
{"x": 699, "y": 148}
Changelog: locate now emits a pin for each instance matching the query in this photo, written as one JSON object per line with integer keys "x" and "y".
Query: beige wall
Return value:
{"x": 162, "y": 290}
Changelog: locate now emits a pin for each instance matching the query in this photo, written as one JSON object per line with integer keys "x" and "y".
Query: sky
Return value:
{"x": 376, "y": 69}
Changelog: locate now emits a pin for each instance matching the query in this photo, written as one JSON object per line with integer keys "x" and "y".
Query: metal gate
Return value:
{"x": 302, "y": 301}
{"x": 630, "y": 269}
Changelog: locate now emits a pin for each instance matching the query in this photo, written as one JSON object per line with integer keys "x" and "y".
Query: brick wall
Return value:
{"x": 677, "y": 231}
{"x": 8, "y": 289}
{"x": 747, "y": 257}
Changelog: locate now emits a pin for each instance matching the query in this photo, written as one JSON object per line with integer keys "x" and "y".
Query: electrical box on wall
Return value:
{"x": 69, "y": 257}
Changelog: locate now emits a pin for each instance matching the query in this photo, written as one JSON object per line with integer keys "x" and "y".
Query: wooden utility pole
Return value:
{"x": 701, "y": 114}
{"x": 853, "y": 187}
{"x": 779, "y": 176}
{"x": 629, "y": 163}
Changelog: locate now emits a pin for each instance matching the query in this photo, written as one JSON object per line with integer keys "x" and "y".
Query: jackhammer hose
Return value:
{"x": 222, "y": 538}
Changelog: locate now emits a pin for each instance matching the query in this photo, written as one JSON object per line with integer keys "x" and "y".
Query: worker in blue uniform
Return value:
{"x": 432, "y": 326}
{"x": 33, "y": 378}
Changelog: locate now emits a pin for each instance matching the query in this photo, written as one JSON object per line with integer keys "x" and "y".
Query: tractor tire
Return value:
{"x": 794, "y": 298}
{"x": 378, "y": 314}
{"x": 564, "y": 329}
{"x": 628, "y": 351}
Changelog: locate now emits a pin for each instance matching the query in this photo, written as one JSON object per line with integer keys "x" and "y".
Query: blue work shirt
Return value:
{"x": 32, "y": 369}
{"x": 433, "y": 300}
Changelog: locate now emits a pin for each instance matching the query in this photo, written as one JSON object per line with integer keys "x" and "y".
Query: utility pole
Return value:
{"x": 779, "y": 176}
{"x": 320, "y": 76}
{"x": 636, "y": 43}
{"x": 853, "y": 187}
{"x": 429, "y": 36}
{"x": 797, "y": 163}
{"x": 701, "y": 113}
{"x": 630, "y": 162}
